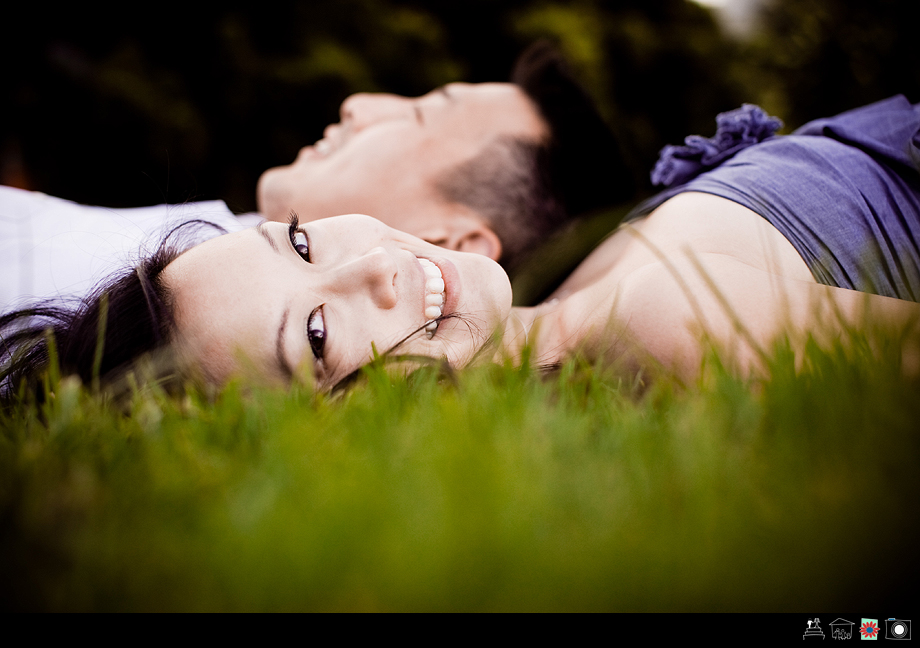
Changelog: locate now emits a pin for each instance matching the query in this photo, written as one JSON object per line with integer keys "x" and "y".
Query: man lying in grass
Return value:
{"x": 490, "y": 168}
{"x": 758, "y": 238}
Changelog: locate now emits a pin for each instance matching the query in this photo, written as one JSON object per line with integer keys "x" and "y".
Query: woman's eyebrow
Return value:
{"x": 267, "y": 236}
{"x": 280, "y": 355}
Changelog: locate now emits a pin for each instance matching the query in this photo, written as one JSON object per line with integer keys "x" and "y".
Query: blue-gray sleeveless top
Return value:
{"x": 845, "y": 191}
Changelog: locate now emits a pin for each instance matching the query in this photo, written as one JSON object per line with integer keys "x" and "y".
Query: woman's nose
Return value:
{"x": 374, "y": 272}
{"x": 365, "y": 109}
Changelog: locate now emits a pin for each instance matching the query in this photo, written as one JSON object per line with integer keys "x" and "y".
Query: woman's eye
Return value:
{"x": 316, "y": 332}
{"x": 301, "y": 244}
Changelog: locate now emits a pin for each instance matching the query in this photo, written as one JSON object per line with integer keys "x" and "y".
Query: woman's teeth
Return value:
{"x": 434, "y": 295}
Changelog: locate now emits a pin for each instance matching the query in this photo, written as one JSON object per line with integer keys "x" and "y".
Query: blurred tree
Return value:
{"x": 815, "y": 58}
{"x": 177, "y": 102}
{"x": 659, "y": 68}
{"x": 186, "y": 103}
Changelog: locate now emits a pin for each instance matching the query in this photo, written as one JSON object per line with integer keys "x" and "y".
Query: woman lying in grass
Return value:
{"x": 758, "y": 237}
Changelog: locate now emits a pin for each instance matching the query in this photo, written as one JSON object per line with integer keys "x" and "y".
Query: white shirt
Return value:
{"x": 51, "y": 247}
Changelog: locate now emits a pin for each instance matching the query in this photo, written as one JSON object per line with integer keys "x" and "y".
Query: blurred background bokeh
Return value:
{"x": 170, "y": 102}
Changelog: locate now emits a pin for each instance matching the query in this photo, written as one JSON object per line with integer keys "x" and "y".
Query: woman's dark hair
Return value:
{"x": 127, "y": 317}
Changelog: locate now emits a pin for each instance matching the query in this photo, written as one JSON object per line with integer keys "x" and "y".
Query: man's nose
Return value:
{"x": 374, "y": 272}
{"x": 365, "y": 109}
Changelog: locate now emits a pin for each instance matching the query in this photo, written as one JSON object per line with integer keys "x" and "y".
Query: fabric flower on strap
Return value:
{"x": 735, "y": 130}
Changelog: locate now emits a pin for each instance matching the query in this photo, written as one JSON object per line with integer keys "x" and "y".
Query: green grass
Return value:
{"x": 504, "y": 491}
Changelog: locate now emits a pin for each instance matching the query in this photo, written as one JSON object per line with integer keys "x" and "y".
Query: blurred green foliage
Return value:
{"x": 819, "y": 57}
{"x": 501, "y": 490}
{"x": 131, "y": 106}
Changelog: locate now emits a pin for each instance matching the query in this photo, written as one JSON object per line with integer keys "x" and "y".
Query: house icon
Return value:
{"x": 842, "y": 629}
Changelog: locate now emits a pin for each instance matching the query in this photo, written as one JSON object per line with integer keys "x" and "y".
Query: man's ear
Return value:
{"x": 476, "y": 238}
{"x": 465, "y": 234}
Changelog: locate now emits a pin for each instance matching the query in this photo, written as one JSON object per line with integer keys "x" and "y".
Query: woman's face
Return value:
{"x": 277, "y": 300}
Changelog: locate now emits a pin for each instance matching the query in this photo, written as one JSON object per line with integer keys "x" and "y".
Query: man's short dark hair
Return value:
{"x": 508, "y": 186}
{"x": 528, "y": 190}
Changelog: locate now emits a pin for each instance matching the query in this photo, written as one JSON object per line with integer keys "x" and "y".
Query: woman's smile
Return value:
{"x": 434, "y": 294}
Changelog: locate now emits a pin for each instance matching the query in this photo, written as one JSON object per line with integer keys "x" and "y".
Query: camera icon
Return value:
{"x": 897, "y": 629}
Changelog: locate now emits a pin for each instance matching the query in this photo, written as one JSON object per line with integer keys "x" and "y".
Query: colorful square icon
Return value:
{"x": 868, "y": 629}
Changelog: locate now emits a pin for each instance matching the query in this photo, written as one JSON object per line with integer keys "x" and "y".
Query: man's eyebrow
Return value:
{"x": 268, "y": 237}
{"x": 279, "y": 346}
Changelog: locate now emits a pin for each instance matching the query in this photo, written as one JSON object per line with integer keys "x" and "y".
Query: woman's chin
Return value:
{"x": 501, "y": 297}
{"x": 496, "y": 289}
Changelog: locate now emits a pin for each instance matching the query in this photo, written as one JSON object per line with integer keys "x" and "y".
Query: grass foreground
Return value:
{"x": 502, "y": 490}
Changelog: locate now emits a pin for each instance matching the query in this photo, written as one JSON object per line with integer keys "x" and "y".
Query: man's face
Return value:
{"x": 387, "y": 153}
